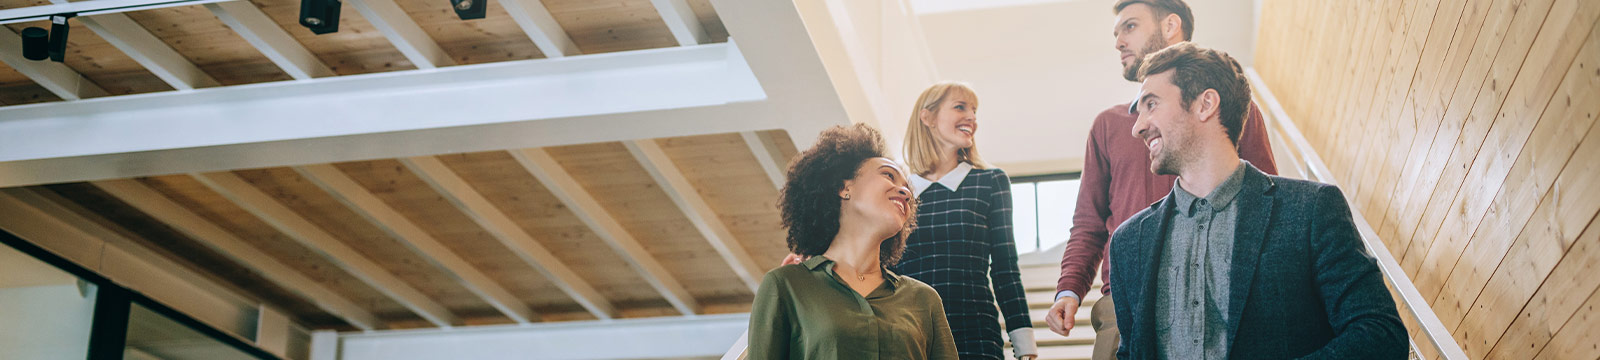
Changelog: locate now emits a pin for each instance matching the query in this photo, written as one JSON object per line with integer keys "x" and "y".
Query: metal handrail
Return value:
{"x": 1419, "y": 308}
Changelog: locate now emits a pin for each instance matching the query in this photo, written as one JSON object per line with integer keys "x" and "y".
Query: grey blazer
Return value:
{"x": 1302, "y": 283}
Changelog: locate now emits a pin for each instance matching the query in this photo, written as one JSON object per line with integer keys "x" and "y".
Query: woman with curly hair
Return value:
{"x": 965, "y": 237}
{"x": 846, "y": 205}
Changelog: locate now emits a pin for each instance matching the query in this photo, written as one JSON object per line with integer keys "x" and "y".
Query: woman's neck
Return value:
{"x": 855, "y": 250}
{"x": 948, "y": 160}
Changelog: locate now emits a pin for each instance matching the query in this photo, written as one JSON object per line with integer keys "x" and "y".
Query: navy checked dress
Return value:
{"x": 963, "y": 241}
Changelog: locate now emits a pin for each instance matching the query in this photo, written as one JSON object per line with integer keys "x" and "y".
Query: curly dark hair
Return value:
{"x": 810, "y": 198}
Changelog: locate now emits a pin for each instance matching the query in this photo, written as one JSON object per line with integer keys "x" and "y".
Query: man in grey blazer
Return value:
{"x": 1234, "y": 263}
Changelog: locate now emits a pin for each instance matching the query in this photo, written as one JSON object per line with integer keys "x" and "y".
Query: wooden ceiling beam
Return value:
{"x": 290, "y": 223}
{"x": 766, "y": 153}
{"x": 158, "y": 206}
{"x": 56, "y": 77}
{"x": 567, "y": 189}
{"x": 682, "y": 21}
{"x": 694, "y": 206}
{"x": 403, "y": 32}
{"x": 541, "y": 28}
{"x": 273, "y": 42}
{"x": 147, "y": 50}
{"x": 485, "y": 214}
{"x": 363, "y": 202}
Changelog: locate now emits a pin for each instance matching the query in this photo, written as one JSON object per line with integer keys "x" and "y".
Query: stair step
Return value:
{"x": 1075, "y": 352}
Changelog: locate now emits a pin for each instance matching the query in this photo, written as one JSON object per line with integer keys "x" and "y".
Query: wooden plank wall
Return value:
{"x": 1464, "y": 130}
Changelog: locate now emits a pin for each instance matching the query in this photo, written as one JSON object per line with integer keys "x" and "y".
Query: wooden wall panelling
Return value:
{"x": 412, "y": 198}
{"x": 358, "y": 47}
{"x": 1529, "y": 257}
{"x": 1550, "y": 63}
{"x": 194, "y": 32}
{"x": 614, "y": 189}
{"x": 1500, "y": 82}
{"x": 1399, "y": 70}
{"x": 1347, "y": 134}
{"x": 510, "y": 233}
{"x": 1443, "y": 151}
{"x": 610, "y": 26}
{"x": 1429, "y": 101}
{"x": 1376, "y": 130}
{"x": 494, "y": 38}
{"x": 1403, "y": 109}
{"x": 1505, "y": 334}
{"x": 1576, "y": 339}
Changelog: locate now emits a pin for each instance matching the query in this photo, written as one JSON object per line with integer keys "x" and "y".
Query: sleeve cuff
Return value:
{"x": 1068, "y": 293}
{"x": 1022, "y": 343}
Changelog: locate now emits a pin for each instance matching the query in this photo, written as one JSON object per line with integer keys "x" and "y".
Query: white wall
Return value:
{"x": 45, "y": 322}
{"x": 1044, "y": 68}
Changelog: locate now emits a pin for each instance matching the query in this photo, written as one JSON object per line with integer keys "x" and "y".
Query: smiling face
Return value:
{"x": 1164, "y": 124}
{"x": 1138, "y": 33}
{"x": 880, "y": 194}
{"x": 954, "y": 123}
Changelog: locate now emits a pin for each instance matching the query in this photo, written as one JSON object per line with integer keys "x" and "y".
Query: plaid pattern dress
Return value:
{"x": 963, "y": 241}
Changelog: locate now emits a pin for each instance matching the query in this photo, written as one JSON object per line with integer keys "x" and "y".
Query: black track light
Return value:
{"x": 39, "y": 44}
{"x": 35, "y": 43}
{"x": 470, "y": 9}
{"x": 321, "y": 16}
{"x": 58, "y": 36}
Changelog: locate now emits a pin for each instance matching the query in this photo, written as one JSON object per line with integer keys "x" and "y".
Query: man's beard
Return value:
{"x": 1154, "y": 44}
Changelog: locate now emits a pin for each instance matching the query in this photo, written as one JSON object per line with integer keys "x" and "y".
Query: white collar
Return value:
{"x": 950, "y": 181}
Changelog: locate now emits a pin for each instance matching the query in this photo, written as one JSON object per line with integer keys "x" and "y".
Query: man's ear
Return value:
{"x": 1172, "y": 28}
{"x": 1207, "y": 104}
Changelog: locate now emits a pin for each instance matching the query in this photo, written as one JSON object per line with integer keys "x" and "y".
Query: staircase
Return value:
{"x": 1040, "y": 283}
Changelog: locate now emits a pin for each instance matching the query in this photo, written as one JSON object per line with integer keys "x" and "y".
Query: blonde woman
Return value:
{"x": 963, "y": 244}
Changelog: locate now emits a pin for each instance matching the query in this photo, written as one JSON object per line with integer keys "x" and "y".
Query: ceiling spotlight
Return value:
{"x": 470, "y": 9}
{"x": 321, "y": 16}
{"x": 35, "y": 43}
{"x": 39, "y": 44}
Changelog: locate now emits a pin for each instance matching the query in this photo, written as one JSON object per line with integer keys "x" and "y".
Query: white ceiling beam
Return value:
{"x": 364, "y": 202}
{"x": 694, "y": 206}
{"x": 767, "y": 154}
{"x": 564, "y": 187}
{"x": 56, "y": 77}
{"x": 152, "y": 203}
{"x": 623, "y": 85}
{"x": 290, "y": 223}
{"x": 700, "y": 337}
{"x": 540, "y": 27}
{"x": 89, "y": 8}
{"x": 403, "y": 32}
{"x": 147, "y": 50}
{"x": 273, "y": 42}
{"x": 486, "y": 215}
{"x": 681, "y": 20}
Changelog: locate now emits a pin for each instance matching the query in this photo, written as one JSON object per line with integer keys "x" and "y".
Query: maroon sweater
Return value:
{"x": 1117, "y": 183}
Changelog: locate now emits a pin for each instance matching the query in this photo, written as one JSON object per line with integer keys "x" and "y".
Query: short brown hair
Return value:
{"x": 1198, "y": 69}
{"x": 1161, "y": 9}
{"x": 810, "y": 200}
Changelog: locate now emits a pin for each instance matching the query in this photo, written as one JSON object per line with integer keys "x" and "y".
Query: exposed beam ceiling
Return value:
{"x": 260, "y": 31}
{"x": 403, "y": 32}
{"x": 677, "y": 187}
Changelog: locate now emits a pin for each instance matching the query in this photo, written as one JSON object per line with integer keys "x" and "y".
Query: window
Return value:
{"x": 1041, "y": 207}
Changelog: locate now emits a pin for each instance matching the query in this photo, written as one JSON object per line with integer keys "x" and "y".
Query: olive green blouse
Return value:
{"x": 806, "y": 311}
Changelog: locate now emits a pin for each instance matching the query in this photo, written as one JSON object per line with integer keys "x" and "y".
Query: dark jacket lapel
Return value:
{"x": 1151, "y": 238}
{"x": 1255, "y": 213}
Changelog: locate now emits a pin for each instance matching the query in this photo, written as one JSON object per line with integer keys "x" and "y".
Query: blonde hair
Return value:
{"x": 921, "y": 148}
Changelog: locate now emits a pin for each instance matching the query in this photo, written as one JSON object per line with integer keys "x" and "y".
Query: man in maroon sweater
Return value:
{"x": 1117, "y": 181}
